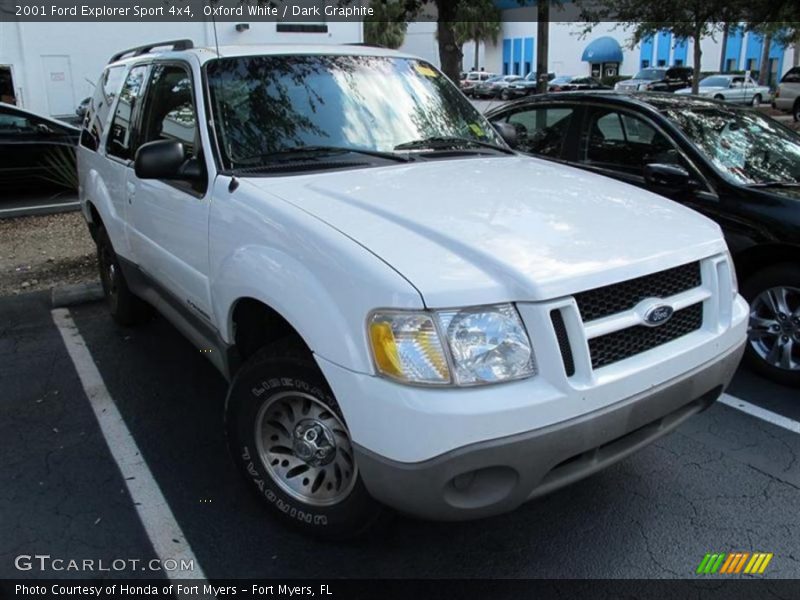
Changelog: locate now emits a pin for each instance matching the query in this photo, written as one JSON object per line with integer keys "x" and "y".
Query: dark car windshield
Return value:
{"x": 263, "y": 106}
{"x": 651, "y": 74}
{"x": 745, "y": 147}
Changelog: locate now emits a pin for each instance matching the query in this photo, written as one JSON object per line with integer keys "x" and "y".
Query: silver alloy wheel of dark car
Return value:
{"x": 305, "y": 448}
{"x": 775, "y": 327}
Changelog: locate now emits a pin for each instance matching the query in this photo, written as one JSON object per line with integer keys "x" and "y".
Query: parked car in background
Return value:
{"x": 493, "y": 88}
{"x": 524, "y": 87}
{"x": 551, "y": 327}
{"x": 737, "y": 89}
{"x": 787, "y": 97}
{"x": 732, "y": 164}
{"x": 80, "y": 111}
{"x": 472, "y": 79}
{"x": 36, "y": 150}
{"x": 568, "y": 83}
{"x": 658, "y": 79}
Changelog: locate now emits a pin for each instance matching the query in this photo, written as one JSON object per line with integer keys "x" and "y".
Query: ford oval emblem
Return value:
{"x": 658, "y": 315}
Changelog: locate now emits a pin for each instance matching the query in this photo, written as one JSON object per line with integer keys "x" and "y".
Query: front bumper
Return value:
{"x": 496, "y": 476}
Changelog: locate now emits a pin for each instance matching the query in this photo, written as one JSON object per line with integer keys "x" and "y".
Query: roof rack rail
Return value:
{"x": 139, "y": 50}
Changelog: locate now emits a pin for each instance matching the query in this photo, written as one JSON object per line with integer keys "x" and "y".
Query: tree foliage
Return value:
{"x": 387, "y": 26}
{"x": 479, "y": 22}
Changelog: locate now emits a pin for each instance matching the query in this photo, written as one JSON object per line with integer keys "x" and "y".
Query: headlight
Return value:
{"x": 470, "y": 346}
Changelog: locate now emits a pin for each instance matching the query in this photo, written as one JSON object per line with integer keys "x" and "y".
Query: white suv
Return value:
{"x": 410, "y": 313}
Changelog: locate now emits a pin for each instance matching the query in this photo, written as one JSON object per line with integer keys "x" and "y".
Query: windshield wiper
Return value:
{"x": 775, "y": 184}
{"x": 444, "y": 142}
{"x": 291, "y": 153}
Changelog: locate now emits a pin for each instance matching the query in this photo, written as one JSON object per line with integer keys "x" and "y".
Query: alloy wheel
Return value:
{"x": 774, "y": 332}
{"x": 306, "y": 448}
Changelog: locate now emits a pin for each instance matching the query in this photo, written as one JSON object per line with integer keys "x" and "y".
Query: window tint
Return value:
{"x": 121, "y": 136}
{"x": 625, "y": 142}
{"x": 100, "y": 105}
{"x": 793, "y": 76}
{"x": 13, "y": 124}
{"x": 542, "y": 131}
{"x": 169, "y": 112}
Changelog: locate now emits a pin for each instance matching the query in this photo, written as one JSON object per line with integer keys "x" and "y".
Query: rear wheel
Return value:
{"x": 504, "y": 95}
{"x": 773, "y": 348}
{"x": 287, "y": 433}
{"x": 757, "y": 100}
{"x": 126, "y": 308}
{"x": 719, "y": 97}
{"x": 796, "y": 110}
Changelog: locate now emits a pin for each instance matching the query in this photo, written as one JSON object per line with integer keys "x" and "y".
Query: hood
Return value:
{"x": 485, "y": 230}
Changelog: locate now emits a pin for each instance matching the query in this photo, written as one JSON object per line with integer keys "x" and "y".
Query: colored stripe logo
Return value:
{"x": 734, "y": 562}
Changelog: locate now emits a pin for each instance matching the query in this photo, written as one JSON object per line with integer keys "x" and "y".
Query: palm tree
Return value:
{"x": 478, "y": 21}
{"x": 384, "y": 28}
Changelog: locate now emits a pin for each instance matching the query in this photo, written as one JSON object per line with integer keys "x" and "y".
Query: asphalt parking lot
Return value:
{"x": 725, "y": 481}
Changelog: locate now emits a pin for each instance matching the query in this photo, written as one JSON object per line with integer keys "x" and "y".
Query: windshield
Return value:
{"x": 562, "y": 79}
{"x": 264, "y": 105}
{"x": 651, "y": 74}
{"x": 715, "y": 82}
{"x": 745, "y": 147}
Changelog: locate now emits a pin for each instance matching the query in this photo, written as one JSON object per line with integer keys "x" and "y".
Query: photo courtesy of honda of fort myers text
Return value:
{"x": 399, "y": 299}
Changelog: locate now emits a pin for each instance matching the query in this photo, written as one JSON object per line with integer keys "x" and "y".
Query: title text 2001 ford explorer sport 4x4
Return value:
{"x": 410, "y": 313}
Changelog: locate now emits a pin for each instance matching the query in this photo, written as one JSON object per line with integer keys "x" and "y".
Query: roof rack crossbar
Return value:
{"x": 139, "y": 50}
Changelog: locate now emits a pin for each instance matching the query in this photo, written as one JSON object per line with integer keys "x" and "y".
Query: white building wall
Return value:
{"x": 32, "y": 48}
{"x": 566, "y": 46}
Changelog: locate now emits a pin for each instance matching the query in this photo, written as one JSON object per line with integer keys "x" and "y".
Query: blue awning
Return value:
{"x": 602, "y": 50}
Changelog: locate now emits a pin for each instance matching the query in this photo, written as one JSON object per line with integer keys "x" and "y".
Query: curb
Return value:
{"x": 81, "y": 293}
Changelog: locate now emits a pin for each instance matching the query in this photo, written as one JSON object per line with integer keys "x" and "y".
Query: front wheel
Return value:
{"x": 773, "y": 348}
{"x": 719, "y": 97}
{"x": 796, "y": 110}
{"x": 504, "y": 95}
{"x": 756, "y": 100}
{"x": 287, "y": 433}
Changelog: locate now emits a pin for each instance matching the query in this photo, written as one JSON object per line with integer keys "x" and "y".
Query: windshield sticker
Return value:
{"x": 477, "y": 130}
{"x": 426, "y": 71}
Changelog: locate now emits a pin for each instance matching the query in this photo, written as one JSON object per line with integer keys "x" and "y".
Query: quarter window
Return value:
{"x": 121, "y": 138}
{"x": 542, "y": 131}
{"x": 100, "y": 105}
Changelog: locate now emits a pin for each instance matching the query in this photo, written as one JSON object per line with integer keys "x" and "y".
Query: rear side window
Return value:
{"x": 543, "y": 130}
{"x": 793, "y": 76}
{"x": 121, "y": 138}
{"x": 13, "y": 124}
{"x": 100, "y": 105}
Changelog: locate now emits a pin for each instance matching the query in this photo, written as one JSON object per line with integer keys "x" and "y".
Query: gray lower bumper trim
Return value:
{"x": 498, "y": 475}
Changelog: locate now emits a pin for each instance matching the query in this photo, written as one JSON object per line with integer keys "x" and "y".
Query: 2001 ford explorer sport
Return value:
{"x": 410, "y": 314}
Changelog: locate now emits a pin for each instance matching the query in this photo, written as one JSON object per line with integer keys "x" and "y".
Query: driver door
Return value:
{"x": 168, "y": 219}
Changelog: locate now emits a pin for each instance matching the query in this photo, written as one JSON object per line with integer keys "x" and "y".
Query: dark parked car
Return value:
{"x": 568, "y": 83}
{"x": 658, "y": 79}
{"x": 35, "y": 149}
{"x": 493, "y": 88}
{"x": 524, "y": 87}
{"x": 733, "y": 164}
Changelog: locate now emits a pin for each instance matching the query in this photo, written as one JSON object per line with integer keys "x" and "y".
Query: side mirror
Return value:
{"x": 666, "y": 177}
{"x": 164, "y": 159}
{"x": 507, "y": 131}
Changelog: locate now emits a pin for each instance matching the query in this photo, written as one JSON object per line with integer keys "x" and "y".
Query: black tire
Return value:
{"x": 784, "y": 331}
{"x": 125, "y": 307}
{"x": 796, "y": 110}
{"x": 504, "y": 95}
{"x": 719, "y": 97}
{"x": 756, "y": 102}
{"x": 287, "y": 371}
